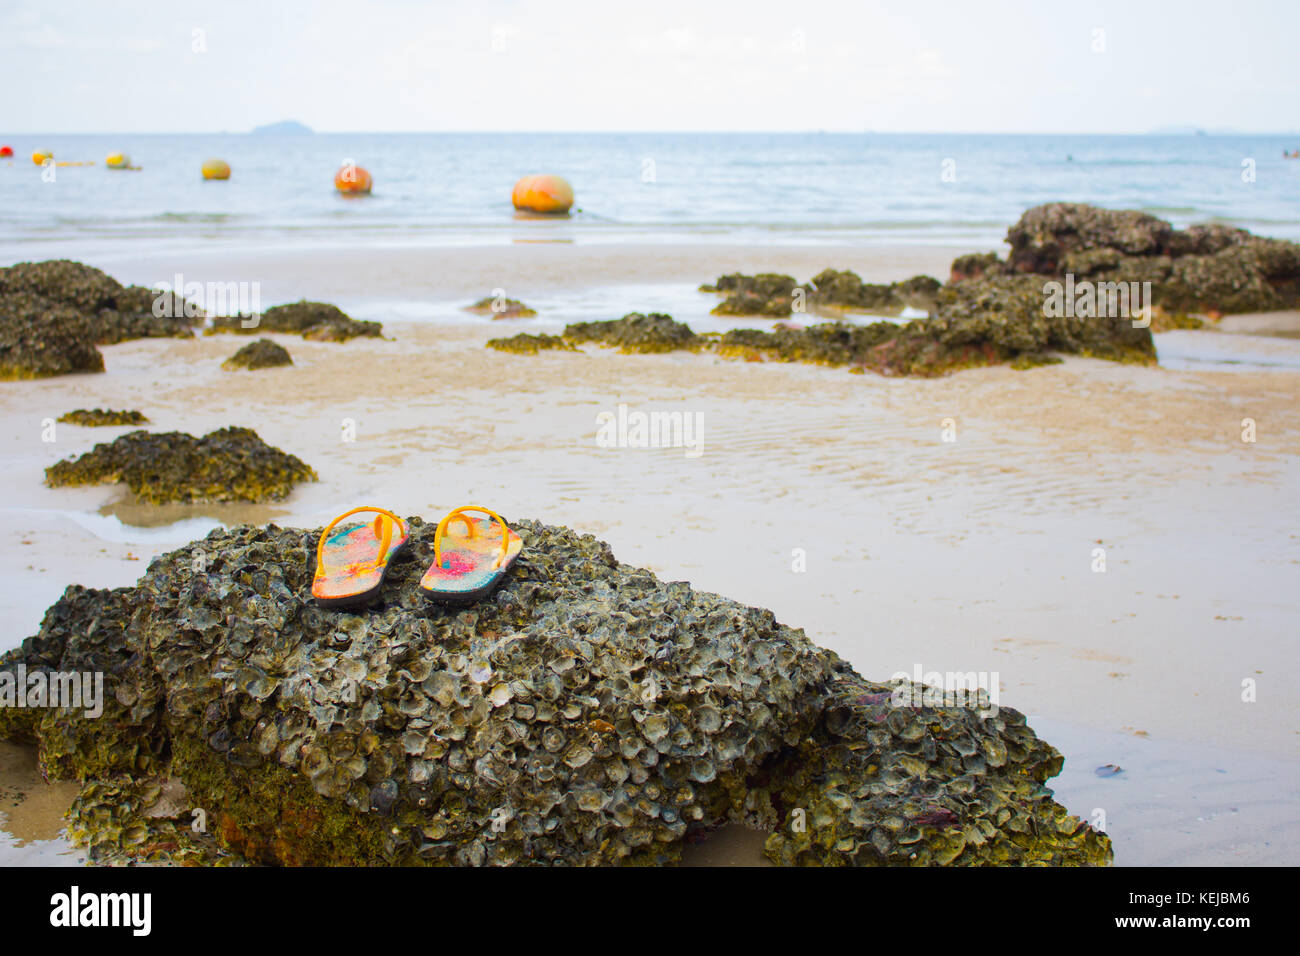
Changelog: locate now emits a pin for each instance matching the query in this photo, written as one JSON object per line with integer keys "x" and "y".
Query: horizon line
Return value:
{"x": 1176, "y": 130}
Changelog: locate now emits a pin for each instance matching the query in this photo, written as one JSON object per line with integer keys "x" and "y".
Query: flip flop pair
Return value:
{"x": 470, "y": 556}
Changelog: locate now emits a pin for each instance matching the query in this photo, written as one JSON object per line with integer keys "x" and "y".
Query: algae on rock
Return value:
{"x": 99, "y": 417}
{"x": 636, "y": 332}
{"x": 230, "y": 464}
{"x": 525, "y": 343}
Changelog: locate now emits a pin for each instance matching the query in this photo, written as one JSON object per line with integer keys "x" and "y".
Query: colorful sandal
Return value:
{"x": 467, "y": 566}
{"x": 351, "y": 562}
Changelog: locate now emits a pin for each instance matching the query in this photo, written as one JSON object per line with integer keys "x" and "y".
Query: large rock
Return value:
{"x": 975, "y": 322}
{"x": 53, "y": 315}
{"x": 585, "y": 713}
{"x": 1212, "y": 269}
{"x": 105, "y": 311}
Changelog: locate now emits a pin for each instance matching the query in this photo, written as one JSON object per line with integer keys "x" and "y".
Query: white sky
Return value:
{"x": 853, "y": 65}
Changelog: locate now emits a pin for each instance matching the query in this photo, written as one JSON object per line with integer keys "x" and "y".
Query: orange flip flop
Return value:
{"x": 352, "y": 560}
{"x": 468, "y": 564}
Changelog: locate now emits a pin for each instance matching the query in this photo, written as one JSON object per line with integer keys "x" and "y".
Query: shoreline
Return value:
{"x": 345, "y": 276}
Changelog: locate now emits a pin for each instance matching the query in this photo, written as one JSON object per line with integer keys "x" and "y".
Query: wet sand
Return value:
{"x": 970, "y": 555}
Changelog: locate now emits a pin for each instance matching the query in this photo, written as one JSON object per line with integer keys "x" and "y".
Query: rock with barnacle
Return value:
{"x": 54, "y": 314}
{"x": 584, "y": 713}
{"x": 101, "y": 417}
{"x": 636, "y": 332}
{"x": 525, "y": 343}
{"x": 315, "y": 321}
{"x": 230, "y": 464}
{"x": 256, "y": 355}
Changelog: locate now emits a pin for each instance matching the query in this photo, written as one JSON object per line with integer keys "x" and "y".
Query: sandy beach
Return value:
{"x": 978, "y": 553}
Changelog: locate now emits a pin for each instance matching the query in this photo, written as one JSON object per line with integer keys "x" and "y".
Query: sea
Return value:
{"x": 791, "y": 188}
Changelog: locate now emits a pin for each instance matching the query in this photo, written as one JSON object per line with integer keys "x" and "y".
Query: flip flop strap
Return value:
{"x": 383, "y": 531}
{"x": 457, "y": 513}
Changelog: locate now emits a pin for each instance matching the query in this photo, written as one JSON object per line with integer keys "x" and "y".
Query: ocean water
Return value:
{"x": 441, "y": 189}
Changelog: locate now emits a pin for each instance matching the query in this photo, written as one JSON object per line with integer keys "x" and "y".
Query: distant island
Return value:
{"x": 284, "y": 128}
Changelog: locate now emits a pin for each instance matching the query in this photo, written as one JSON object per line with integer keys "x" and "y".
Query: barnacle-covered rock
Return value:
{"x": 316, "y": 321}
{"x": 104, "y": 310}
{"x": 127, "y": 821}
{"x": 1211, "y": 269}
{"x": 38, "y": 342}
{"x": 525, "y": 343}
{"x": 976, "y": 322}
{"x": 976, "y": 265}
{"x": 97, "y": 417}
{"x": 828, "y": 343}
{"x": 635, "y": 332}
{"x": 584, "y": 713}
{"x": 260, "y": 354}
{"x": 775, "y": 295}
{"x": 998, "y": 319}
{"x": 846, "y": 290}
{"x": 896, "y": 774}
{"x": 767, "y": 293}
{"x": 231, "y": 464}
{"x": 501, "y": 308}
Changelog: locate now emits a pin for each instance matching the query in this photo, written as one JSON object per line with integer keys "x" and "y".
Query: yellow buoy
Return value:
{"x": 118, "y": 161}
{"x": 41, "y": 155}
{"x": 216, "y": 169}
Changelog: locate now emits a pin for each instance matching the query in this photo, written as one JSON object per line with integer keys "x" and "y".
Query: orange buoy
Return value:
{"x": 6, "y": 152}
{"x": 351, "y": 179}
{"x": 543, "y": 193}
{"x": 215, "y": 169}
{"x": 41, "y": 156}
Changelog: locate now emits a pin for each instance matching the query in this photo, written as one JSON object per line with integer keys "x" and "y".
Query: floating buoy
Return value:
{"x": 216, "y": 169}
{"x": 543, "y": 193}
{"x": 118, "y": 161}
{"x": 41, "y": 156}
{"x": 352, "y": 179}
{"x": 6, "y": 152}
